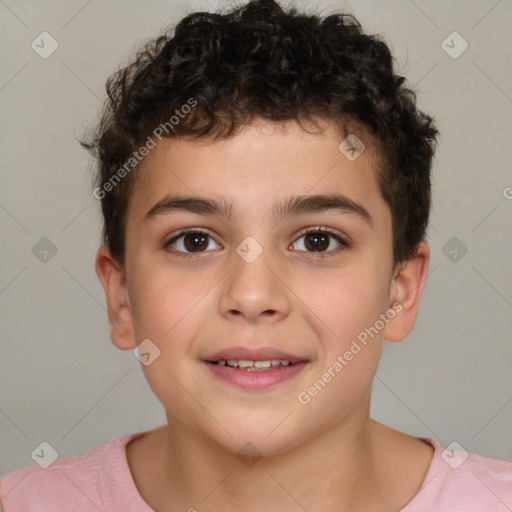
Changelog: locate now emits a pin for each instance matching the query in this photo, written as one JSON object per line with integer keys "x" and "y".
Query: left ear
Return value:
{"x": 406, "y": 289}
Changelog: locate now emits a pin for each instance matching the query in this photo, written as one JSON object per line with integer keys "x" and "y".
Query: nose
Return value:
{"x": 255, "y": 292}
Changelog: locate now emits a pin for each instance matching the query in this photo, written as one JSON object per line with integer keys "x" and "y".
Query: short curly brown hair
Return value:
{"x": 260, "y": 61}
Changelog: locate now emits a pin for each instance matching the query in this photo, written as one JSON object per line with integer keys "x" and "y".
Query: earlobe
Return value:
{"x": 407, "y": 287}
{"x": 113, "y": 281}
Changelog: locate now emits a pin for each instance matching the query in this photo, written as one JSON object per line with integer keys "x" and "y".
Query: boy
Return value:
{"x": 265, "y": 184}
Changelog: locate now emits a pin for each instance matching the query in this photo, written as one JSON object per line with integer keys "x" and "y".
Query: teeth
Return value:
{"x": 262, "y": 364}
{"x": 244, "y": 363}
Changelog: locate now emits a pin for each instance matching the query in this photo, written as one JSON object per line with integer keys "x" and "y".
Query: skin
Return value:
{"x": 326, "y": 455}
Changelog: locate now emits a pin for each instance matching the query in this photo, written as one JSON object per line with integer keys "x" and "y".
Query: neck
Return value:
{"x": 339, "y": 469}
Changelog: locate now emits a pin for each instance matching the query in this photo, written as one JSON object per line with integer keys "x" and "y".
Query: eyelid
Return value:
{"x": 186, "y": 231}
{"x": 323, "y": 229}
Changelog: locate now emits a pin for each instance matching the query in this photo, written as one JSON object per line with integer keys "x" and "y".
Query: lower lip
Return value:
{"x": 255, "y": 380}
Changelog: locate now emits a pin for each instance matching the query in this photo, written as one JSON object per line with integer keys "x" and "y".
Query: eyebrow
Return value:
{"x": 295, "y": 205}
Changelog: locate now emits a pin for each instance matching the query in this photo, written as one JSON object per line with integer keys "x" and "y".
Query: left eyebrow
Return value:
{"x": 295, "y": 205}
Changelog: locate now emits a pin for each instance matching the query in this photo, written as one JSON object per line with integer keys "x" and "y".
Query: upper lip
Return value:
{"x": 247, "y": 354}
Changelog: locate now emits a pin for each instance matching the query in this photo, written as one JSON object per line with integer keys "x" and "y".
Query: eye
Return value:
{"x": 320, "y": 240}
{"x": 192, "y": 240}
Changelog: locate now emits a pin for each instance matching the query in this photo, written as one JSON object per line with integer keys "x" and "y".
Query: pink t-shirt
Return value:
{"x": 101, "y": 480}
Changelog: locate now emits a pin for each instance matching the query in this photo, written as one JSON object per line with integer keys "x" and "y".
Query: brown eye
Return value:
{"x": 195, "y": 242}
{"x": 192, "y": 242}
{"x": 320, "y": 241}
{"x": 316, "y": 241}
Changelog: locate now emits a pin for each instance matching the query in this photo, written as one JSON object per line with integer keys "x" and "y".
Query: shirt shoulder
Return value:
{"x": 100, "y": 479}
{"x": 462, "y": 481}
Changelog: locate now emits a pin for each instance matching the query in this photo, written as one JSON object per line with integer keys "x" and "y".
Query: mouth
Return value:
{"x": 254, "y": 369}
{"x": 253, "y": 366}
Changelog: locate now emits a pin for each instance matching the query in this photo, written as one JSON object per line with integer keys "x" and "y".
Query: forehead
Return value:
{"x": 253, "y": 170}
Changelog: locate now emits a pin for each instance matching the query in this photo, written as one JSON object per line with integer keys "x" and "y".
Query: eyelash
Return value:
{"x": 344, "y": 244}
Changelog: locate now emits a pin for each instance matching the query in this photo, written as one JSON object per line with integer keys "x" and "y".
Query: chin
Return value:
{"x": 263, "y": 438}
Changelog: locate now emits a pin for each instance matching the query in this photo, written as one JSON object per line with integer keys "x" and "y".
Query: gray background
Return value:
{"x": 63, "y": 382}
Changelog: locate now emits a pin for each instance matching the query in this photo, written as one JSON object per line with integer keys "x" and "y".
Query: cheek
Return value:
{"x": 166, "y": 302}
{"x": 349, "y": 326}
{"x": 346, "y": 301}
{"x": 171, "y": 315}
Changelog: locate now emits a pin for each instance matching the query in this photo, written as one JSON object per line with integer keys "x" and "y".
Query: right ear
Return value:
{"x": 113, "y": 280}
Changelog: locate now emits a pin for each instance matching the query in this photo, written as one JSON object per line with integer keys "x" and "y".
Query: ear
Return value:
{"x": 406, "y": 289}
{"x": 113, "y": 280}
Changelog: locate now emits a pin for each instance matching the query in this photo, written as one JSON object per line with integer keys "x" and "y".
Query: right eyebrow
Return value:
{"x": 192, "y": 204}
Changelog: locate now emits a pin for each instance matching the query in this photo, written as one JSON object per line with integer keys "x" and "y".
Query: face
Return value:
{"x": 262, "y": 273}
